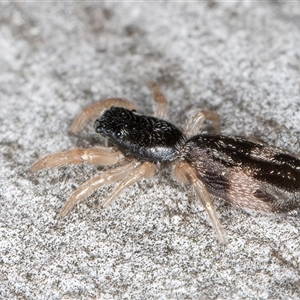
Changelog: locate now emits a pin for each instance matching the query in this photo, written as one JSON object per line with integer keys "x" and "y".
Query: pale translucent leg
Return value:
{"x": 97, "y": 156}
{"x": 256, "y": 140}
{"x": 145, "y": 170}
{"x": 185, "y": 174}
{"x": 93, "y": 111}
{"x": 196, "y": 122}
{"x": 161, "y": 110}
{"x": 94, "y": 183}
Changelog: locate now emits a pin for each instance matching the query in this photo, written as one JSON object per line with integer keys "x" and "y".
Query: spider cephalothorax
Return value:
{"x": 239, "y": 171}
{"x": 142, "y": 137}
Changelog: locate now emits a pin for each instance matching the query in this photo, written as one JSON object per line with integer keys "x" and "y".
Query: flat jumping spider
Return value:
{"x": 244, "y": 173}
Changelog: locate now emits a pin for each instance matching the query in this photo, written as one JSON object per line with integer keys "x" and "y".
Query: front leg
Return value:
{"x": 161, "y": 110}
{"x": 93, "y": 111}
{"x": 97, "y": 156}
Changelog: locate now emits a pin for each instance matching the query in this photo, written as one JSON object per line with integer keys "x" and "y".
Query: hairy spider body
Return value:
{"x": 247, "y": 174}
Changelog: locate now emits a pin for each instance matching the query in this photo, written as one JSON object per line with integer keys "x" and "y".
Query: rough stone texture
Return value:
{"x": 239, "y": 59}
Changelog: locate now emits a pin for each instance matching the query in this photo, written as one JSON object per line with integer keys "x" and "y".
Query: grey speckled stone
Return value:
{"x": 239, "y": 59}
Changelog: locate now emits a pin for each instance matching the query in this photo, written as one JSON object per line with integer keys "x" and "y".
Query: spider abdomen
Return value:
{"x": 244, "y": 173}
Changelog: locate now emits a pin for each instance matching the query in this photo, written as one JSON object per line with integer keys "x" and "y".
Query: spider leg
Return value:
{"x": 98, "y": 156}
{"x": 196, "y": 122}
{"x": 186, "y": 174}
{"x": 145, "y": 170}
{"x": 161, "y": 110}
{"x": 94, "y": 183}
{"x": 92, "y": 111}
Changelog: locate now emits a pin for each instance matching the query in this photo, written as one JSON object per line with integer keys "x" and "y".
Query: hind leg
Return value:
{"x": 186, "y": 174}
{"x": 196, "y": 122}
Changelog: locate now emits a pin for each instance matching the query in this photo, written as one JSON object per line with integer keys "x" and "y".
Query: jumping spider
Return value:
{"x": 239, "y": 171}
